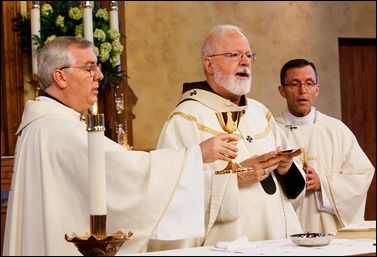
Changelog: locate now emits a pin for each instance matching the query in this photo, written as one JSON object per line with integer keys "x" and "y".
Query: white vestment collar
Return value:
{"x": 308, "y": 119}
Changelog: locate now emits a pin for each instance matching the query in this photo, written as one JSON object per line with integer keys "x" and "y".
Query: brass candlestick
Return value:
{"x": 90, "y": 245}
{"x": 229, "y": 122}
{"x": 98, "y": 242}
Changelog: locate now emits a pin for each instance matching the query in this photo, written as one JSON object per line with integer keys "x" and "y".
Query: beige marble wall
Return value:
{"x": 164, "y": 41}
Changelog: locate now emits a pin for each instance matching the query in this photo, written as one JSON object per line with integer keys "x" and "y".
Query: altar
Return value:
{"x": 281, "y": 247}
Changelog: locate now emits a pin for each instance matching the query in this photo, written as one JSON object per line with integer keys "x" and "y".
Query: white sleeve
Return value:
{"x": 184, "y": 217}
{"x": 323, "y": 202}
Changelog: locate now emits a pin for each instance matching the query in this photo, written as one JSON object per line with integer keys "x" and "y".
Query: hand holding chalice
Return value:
{"x": 229, "y": 122}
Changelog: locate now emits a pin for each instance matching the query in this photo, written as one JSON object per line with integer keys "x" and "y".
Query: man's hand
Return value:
{"x": 262, "y": 166}
{"x": 219, "y": 147}
{"x": 287, "y": 160}
{"x": 313, "y": 181}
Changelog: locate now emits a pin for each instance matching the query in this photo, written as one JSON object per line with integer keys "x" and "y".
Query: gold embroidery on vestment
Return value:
{"x": 266, "y": 130}
{"x": 305, "y": 157}
{"x": 214, "y": 132}
{"x": 200, "y": 126}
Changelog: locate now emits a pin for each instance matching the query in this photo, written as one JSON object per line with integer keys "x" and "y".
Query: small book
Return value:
{"x": 364, "y": 229}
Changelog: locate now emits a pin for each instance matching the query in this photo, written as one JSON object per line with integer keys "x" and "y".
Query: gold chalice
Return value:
{"x": 229, "y": 122}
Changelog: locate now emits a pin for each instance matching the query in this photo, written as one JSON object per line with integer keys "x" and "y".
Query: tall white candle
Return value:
{"x": 114, "y": 15}
{"x": 114, "y": 23}
{"x": 35, "y": 26}
{"x": 88, "y": 20}
{"x": 96, "y": 158}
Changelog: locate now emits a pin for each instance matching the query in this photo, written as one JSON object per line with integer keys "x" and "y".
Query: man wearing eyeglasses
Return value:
{"x": 50, "y": 194}
{"x": 338, "y": 173}
{"x": 253, "y": 203}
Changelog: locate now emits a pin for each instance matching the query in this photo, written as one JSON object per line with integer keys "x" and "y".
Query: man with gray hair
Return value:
{"x": 49, "y": 195}
{"x": 254, "y": 203}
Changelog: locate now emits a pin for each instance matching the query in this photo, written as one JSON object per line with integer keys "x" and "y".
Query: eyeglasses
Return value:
{"x": 91, "y": 69}
{"x": 297, "y": 84}
{"x": 237, "y": 56}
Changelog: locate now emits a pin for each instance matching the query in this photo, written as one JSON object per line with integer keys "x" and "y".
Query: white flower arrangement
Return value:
{"x": 65, "y": 18}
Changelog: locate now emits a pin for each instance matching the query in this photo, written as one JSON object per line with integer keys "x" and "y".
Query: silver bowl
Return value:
{"x": 312, "y": 239}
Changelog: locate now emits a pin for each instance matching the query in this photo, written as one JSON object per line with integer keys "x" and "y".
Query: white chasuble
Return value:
{"x": 231, "y": 212}
{"x": 49, "y": 196}
{"x": 344, "y": 169}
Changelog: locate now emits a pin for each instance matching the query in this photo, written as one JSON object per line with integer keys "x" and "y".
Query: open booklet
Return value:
{"x": 363, "y": 229}
{"x": 286, "y": 152}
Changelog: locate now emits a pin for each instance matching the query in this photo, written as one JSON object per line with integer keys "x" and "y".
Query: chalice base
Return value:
{"x": 233, "y": 167}
{"x": 89, "y": 245}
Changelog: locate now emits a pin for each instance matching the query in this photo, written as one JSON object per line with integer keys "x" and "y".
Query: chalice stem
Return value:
{"x": 233, "y": 165}
{"x": 229, "y": 123}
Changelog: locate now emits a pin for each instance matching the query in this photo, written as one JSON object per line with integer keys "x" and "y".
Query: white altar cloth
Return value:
{"x": 281, "y": 247}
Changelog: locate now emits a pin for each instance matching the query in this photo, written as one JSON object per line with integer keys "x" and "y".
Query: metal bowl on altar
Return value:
{"x": 312, "y": 239}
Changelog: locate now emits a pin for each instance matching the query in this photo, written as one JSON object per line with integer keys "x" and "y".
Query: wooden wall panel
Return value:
{"x": 357, "y": 58}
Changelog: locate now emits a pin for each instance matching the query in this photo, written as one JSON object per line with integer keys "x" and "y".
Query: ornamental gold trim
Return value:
{"x": 215, "y": 133}
{"x": 198, "y": 125}
{"x": 262, "y": 134}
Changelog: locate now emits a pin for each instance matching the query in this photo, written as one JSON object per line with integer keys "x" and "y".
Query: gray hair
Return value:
{"x": 55, "y": 55}
{"x": 217, "y": 33}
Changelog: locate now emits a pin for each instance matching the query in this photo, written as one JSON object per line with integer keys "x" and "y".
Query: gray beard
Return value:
{"x": 232, "y": 84}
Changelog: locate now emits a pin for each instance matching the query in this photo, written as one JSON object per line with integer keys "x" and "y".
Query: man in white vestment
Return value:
{"x": 255, "y": 203}
{"x": 49, "y": 196}
{"x": 338, "y": 173}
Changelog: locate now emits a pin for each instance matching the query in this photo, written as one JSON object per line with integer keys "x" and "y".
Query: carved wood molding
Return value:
{"x": 12, "y": 85}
